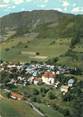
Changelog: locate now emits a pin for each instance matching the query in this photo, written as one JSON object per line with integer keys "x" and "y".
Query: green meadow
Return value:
{"x": 13, "y": 49}
{"x": 11, "y": 108}
{"x": 24, "y": 49}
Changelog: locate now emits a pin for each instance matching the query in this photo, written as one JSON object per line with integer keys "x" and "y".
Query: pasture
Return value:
{"x": 16, "y": 49}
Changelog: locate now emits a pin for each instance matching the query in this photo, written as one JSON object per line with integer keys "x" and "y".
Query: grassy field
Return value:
{"x": 19, "y": 49}
{"x": 21, "y": 109}
{"x": 22, "y": 49}
{"x": 49, "y": 112}
{"x": 12, "y": 49}
{"x": 11, "y": 108}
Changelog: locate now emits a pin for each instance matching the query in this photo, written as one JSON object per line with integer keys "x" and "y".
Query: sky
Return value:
{"x": 66, "y": 6}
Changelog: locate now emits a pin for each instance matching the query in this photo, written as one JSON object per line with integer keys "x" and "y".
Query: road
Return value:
{"x": 35, "y": 109}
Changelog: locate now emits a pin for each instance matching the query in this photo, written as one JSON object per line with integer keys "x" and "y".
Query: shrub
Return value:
{"x": 33, "y": 99}
{"x": 25, "y": 46}
{"x": 7, "y": 49}
{"x": 37, "y": 53}
{"x": 75, "y": 40}
{"x": 35, "y": 91}
{"x": 51, "y": 95}
{"x": 52, "y": 43}
{"x": 52, "y": 61}
{"x": 44, "y": 90}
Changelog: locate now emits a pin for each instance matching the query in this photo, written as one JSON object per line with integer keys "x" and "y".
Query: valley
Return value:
{"x": 41, "y": 64}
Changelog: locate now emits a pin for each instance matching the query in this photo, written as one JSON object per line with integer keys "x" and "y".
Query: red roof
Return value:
{"x": 35, "y": 78}
{"x": 49, "y": 74}
{"x": 14, "y": 94}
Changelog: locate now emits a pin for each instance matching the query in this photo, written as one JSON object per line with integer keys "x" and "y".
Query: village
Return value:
{"x": 36, "y": 74}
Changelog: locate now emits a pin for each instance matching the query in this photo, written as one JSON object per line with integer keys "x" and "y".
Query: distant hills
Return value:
{"x": 47, "y": 23}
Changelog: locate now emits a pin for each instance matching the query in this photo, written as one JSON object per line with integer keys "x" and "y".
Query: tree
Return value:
{"x": 8, "y": 95}
{"x": 78, "y": 106}
{"x": 26, "y": 46}
{"x": 44, "y": 90}
{"x": 75, "y": 39}
{"x": 68, "y": 97}
{"x": 51, "y": 95}
{"x": 37, "y": 53}
{"x": 52, "y": 60}
{"x": 4, "y": 77}
{"x": 35, "y": 91}
{"x": 7, "y": 49}
{"x": 33, "y": 99}
{"x": 80, "y": 84}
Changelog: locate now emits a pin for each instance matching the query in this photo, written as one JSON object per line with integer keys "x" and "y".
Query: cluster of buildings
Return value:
{"x": 30, "y": 73}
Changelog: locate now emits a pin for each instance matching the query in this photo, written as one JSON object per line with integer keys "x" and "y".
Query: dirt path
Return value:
{"x": 35, "y": 109}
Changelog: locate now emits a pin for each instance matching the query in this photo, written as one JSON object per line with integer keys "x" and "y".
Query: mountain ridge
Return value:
{"x": 39, "y": 21}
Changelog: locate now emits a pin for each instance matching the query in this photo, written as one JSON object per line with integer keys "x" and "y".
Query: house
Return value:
{"x": 64, "y": 89}
{"x": 20, "y": 78}
{"x": 56, "y": 84}
{"x": 57, "y": 72}
{"x": 35, "y": 73}
{"x": 12, "y": 81}
{"x": 11, "y": 66}
{"x": 16, "y": 96}
{"x": 48, "y": 78}
{"x": 1, "y": 69}
{"x": 70, "y": 82}
{"x": 36, "y": 81}
{"x": 31, "y": 79}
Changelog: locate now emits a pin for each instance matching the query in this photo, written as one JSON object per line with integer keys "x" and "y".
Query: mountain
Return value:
{"x": 47, "y": 32}
{"x": 47, "y": 23}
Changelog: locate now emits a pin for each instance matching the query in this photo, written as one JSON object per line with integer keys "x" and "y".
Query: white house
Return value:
{"x": 70, "y": 82}
{"x": 48, "y": 78}
{"x": 58, "y": 72}
{"x": 36, "y": 81}
{"x": 64, "y": 89}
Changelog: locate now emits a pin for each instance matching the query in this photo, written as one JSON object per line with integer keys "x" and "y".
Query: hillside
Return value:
{"x": 47, "y": 23}
{"x": 47, "y": 33}
{"x": 39, "y": 45}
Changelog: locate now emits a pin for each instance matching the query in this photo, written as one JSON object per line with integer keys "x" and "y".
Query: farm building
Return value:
{"x": 16, "y": 96}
